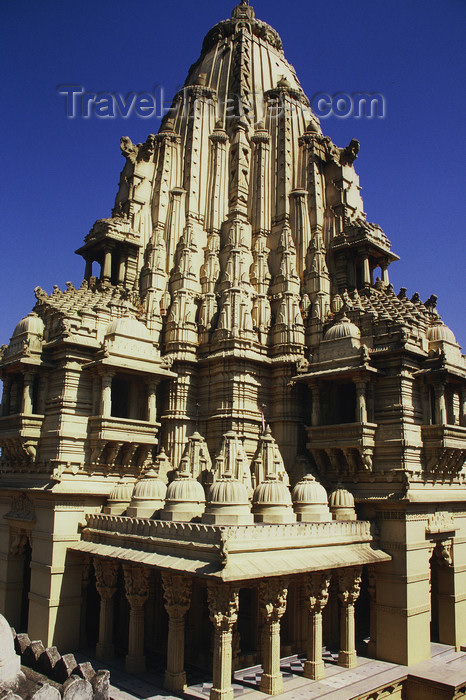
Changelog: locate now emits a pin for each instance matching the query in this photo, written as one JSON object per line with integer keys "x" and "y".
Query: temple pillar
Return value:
{"x": 349, "y": 585}
{"x": 28, "y": 387}
{"x": 272, "y": 597}
{"x": 371, "y": 589}
{"x": 97, "y": 394}
{"x": 366, "y": 273}
{"x": 106, "y": 576}
{"x": 462, "y": 396}
{"x": 84, "y": 586}
{"x": 5, "y": 410}
{"x": 122, "y": 270}
{"x": 361, "y": 406}
{"x": 177, "y": 592}
{"x": 107, "y": 266}
{"x": 88, "y": 270}
{"x": 137, "y": 592}
{"x": 106, "y": 395}
{"x": 316, "y": 587}
{"x": 384, "y": 268}
{"x": 152, "y": 401}
{"x": 440, "y": 405}
{"x": 315, "y": 416}
{"x": 223, "y": 602}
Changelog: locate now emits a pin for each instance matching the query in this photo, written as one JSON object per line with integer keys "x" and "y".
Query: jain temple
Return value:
{"x": 235, "y": 441}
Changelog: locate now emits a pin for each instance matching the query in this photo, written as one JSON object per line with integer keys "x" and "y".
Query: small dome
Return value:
{"x": 341, "y": 498}
{"x": 342, "y": 329}
{"x": 440, "y": 332}
{"x": 272, "y": 492}
{"x": 149, "y": 488}
{"x": 308, "y": 491}
{"x": 130, "y": 327}
{"x": 227, "y": 491}
{"x": 32, "y": 323}
{"x": 185, "y": 490}
{"x": 122, "y": 492}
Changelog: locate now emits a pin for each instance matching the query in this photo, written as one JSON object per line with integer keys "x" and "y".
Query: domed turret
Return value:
{"x": 119, "y": 498}
{"x": 228, "y": 503}
{"x": 341, "y": 504}
{"x": 310, "y": 501}
{"x": 185, "y": 499}
{"x": 271, "y": 502}
{"x": 342, "y": 329}
{"x": 148, "y": 496}
{"x": 31, "y": 324}
{"x": 439, "y": 333}
{"x": 128, "y": 326}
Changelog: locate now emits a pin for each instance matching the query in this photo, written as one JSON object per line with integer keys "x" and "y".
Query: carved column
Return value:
{"x": 137, "y": 591}
{"x": 106, "y": 395}
{"x": 372, "y": 645}
{"x": 5, "y": 411}
{"x": 122, "y": 269}
{"x": 440, "y": 406}
{"x": 177, "y": 593}
{"x": 88, "y": 269}
{"x": 315, "y": 418}
{"x": 366, "y": 273}
{"x": 349, "y": 585}
{"x": 316, "y": 593}
{"x": 152, "y": 401}
{"x": 106, "y": 576}
{"x": 84, "y": 586}
{"x": 28, "y": 386}
{"x": 272, "y": 596}
{"x": 107, "y": 266}
{"x": 463, "y": 407}
{"x": 223, "y": 608}
{"x": 361, "y": 407}
{"x": 384, "y": 268}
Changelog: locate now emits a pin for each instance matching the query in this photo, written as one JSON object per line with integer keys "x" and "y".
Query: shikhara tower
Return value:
{"x": 237, "y": 283}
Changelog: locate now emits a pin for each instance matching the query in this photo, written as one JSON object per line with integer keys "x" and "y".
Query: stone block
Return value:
{"x": 101, "y": 685}
{"x": 7, "y": 694}
{"x": 76, "y": 688}
{"x": 48, "y": 660}
{"x": 46, "y": 692}
{"x": 86, "y": 671}
{"x": 65, "y": 666}
{"x": 32, "y": 653}
{"x": 22, "y": 642}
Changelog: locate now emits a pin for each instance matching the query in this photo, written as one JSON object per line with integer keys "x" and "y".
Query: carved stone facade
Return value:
{"x": 235, "y": 344}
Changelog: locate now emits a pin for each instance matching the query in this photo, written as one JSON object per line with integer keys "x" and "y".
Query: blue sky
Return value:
{"x": 60, "y": 174}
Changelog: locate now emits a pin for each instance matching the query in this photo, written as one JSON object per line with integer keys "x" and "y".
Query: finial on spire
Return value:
{"x": 244, "y": 2}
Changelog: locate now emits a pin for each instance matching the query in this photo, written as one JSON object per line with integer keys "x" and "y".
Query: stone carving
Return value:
{"x": 272, "y": 594}
{"x": 177, "y": 593}
{"x": 440, "y": 522}
{"x": 316, "y": 590}
{"x": 223, "y": 602}
{"x": 349, "y": 584}
{"x": 22, "y": 508}
{"x": 136, "y": 584}
{"x": 106, "y": 577}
